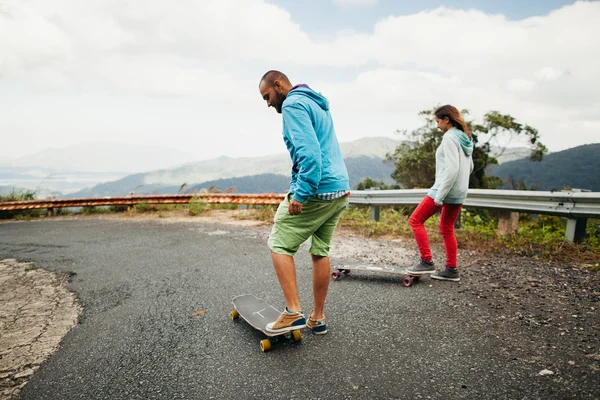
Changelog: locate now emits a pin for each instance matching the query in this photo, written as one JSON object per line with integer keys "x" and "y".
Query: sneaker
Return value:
{"x": 422, "y": 267}
{"x": 449, "y": 274}
{"x": 287, "y": 321}
{"x": 318, "y": 326}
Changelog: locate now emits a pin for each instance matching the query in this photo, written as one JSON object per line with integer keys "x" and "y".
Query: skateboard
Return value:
{"x": 407, "y": 281}
{"x": 258, "y": 313}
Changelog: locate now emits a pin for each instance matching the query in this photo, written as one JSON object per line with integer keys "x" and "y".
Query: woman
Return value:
{"x": 453, "y": 165}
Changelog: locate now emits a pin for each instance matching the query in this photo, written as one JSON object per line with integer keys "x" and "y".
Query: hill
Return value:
{"x": 358, "y": 169}
{"x": 101, "y": 158}
{"x": 575, "y": 168}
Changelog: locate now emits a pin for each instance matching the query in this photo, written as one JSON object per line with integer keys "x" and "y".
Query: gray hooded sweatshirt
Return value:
{"x": 453, "y": 165}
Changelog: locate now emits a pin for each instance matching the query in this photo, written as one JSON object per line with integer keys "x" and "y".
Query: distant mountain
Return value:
{"x": 45, "y": 182}
{"x": 510, "y": 154}
{"x": 358, "y": 169}
{"x": 263, "y": 183}
{"x": 364, "y": 157}
{"x": 101, "y": 158}
{"x": 576, "y": 168}
{"x": 66, "y": 170}
{"x": 279, "y": 164}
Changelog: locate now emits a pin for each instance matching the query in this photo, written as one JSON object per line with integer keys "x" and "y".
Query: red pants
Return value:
{"x": 422, "y": 213}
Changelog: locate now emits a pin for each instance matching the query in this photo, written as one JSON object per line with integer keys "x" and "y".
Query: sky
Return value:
{"x": 185, "y": 74}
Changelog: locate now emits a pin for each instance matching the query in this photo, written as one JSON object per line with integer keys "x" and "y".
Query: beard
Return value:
{"x": 278, "y": 104}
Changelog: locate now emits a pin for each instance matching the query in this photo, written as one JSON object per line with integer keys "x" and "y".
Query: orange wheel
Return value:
{"x": 296, "y": 336}
{"x": 265, "y": 345}
{"x": 407, "y": 282}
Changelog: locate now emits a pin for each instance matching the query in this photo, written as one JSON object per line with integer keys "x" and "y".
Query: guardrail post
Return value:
{"x": 576, "y": 229}
{"x": 457, "y": 224}
{"x": 508, "y": 223}
{"x": 375, "y": 212}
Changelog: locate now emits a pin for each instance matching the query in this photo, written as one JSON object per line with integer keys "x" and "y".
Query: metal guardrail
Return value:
{"x": 562, "y": 204}
{"x": 577, "y": 207}
{"x": 212, "y": 198}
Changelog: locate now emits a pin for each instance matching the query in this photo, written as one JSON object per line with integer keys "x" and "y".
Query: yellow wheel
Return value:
{"x": 296, "y": 336}
{"x": 265, "y": 345}
{"x": 234, "y": 315}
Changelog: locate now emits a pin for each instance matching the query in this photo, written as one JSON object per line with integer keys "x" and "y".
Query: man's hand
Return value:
{"x": 295, "y": 207}
{"x": 440, "y": 204}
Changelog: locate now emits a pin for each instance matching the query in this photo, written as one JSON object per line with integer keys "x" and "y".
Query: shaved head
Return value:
{"x": 271, "y": 76}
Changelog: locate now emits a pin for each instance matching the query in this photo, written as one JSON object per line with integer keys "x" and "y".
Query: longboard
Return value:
{"x": 407, "y": 281}
{"x": 258, "y": 313}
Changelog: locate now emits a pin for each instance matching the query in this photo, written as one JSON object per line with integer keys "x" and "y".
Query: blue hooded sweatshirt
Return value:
{"x": 308, "y": 133}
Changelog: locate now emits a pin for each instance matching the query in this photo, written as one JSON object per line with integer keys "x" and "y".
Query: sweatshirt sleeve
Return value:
{"x": 450, "y": 168}
{"x": 306, "y": 148}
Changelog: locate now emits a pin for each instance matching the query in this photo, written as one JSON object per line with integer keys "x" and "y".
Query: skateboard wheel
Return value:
{"x": 265, "y": 345}
{"x": 296, "y": 336}
{"x": 346, "y": 271}
{"x": 407, "y": 282}
{"x": 234, "y": 315}
{"x": 335, "y": 275}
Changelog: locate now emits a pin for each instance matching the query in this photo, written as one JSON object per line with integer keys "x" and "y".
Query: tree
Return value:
{"x": 414, "y": 159}
{"x": 369, "y": 183}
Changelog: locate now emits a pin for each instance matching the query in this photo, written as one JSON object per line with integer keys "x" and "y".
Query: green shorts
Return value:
{"x": 318, "y": 219}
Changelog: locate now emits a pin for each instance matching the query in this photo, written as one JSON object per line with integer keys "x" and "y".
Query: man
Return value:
{"x": 318, "y": 196}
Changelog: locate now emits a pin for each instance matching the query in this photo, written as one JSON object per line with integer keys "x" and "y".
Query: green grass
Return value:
{"x": 18, "y": 196}
{"x": 89, "y": 210}
{"x": 540, "y": 237}
{"x": 19, "y": 214}
{"x": 260, "y": 213}
{"x": 198, "y": 207}
{"x": 393, "y": 221}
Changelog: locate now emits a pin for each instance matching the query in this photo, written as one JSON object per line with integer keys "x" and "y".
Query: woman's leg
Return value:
{"x": 450, "y": 213}
{"x": 422, "y": 213}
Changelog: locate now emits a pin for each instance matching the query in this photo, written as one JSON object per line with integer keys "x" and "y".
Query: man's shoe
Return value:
{"x": 422, "y": 267}
{"x": 318, "y": 326}
{"x": 449, "y": 274}
{"x": 287, "y": 321}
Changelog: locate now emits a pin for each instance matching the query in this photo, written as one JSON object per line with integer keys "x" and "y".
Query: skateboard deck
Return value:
{"x": 407, "y": 281}
{"x": 258, "y": 313}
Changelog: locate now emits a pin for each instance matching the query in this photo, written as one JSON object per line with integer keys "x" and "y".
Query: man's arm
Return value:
{"x": 307, "y": 150}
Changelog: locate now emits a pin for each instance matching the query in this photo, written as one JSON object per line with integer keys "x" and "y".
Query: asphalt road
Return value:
{"x": 140, "y": 282}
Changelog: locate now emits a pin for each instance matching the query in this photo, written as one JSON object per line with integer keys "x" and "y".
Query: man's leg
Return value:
{"x": 321, "y": 271}
{"x": 319, "y": 249}
{"x": 286, "y": 273}
{"x": 288, "y": 233}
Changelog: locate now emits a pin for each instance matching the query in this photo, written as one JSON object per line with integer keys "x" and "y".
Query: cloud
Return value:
{"x": 354, "y": 3}
{"x": 542, "y": 70}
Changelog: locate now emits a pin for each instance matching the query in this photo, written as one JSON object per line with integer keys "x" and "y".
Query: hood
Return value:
{"x": 466, "y": 143}
{"x": 304, "y": 90}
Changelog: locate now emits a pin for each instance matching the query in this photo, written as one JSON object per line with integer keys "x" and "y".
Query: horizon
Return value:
{"x": 47, "y": 181}
{"x": 215, "y": 157}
